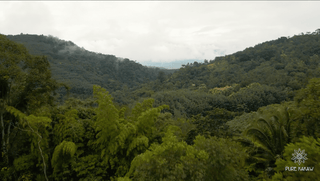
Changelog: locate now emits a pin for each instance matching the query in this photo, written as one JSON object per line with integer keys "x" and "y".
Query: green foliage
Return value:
{"x": 226, "y": 158}
{"x": 226, "y": 91}
{"x": 186, "y": 126}
{"x": 85, "y": 108}
{"x": 190, "y": 103}
{"x": 311, "y": 147}
{"x": 63, "y": 153}
{"x": 165, "y": 161}
{"x": 36, "y": 128}
{"x": 267, "y": 138}
{"x": 120, "y": 138}
{"x": 123, "y": 179}
{"x": 139, "y": 143}
{"x": 308, "y": 101}
{"x": 284, "y": 65}
{"x": 141, "y": 107}
{"x": 26, "y": 94}
{"x": 208, "y": 159}
{"x": 161, "y": 76}
{"x": 24, "y": 162}
{"x": 165, "y": 120}
{"x": 265, "y": 133}
{"x": 68, "y": 128}
{"x": 90, "y": 168}
{"x": 213, "y": 124}
{"x": 241, "y": 123}
{"x": 186, "y": 102}
{"x": 23, "y": 165}
{"x": 107, "y": 116}
{"x": 25, "y": 79}
{"x": 102, "y": 139}
{"x": 81, "y": 69}
{"x": 271, "y": 135}
{"x": 145, "y": 121}
{"x": 254, "y": 96}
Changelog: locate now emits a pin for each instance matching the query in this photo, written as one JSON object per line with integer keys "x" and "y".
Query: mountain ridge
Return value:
{"x": 81, "y": 69}
{"x": 268, "y": 73}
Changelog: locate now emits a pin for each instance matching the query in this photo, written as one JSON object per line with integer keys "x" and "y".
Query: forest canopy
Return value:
{"x": 70, "y": 114}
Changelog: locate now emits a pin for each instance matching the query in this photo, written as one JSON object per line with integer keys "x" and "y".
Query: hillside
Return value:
{"x": 285, "y": 62}
{"x": 81, "y": 69}
{"x": 237, "y": 117}
{"x": 268, "y": 73}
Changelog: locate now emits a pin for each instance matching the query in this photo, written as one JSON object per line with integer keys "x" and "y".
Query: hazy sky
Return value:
{"x": 161, "y": 31}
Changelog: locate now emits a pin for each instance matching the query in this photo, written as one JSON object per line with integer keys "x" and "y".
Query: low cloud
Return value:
{"x": 161, "y": 31}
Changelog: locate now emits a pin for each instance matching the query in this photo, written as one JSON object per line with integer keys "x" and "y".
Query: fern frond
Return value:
{"x": 63, "y": 153}
{"x": 142, "y": 107}
{"x": 145, "y": 121}
{"x": 18, "y": 114}
{"x": 107, "y": 123}
{"x": 121, "y": 112}
{"x": 139, "y": 142}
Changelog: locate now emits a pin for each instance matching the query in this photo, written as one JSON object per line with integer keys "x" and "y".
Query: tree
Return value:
{"x": 213, "y": 124}
{"x": 68, "y": 136}
{"x": 161, "y": 76}
{"x": 308, "y": 101}
{"x": 268, "y": 136}
{"x": 309, "y": 146}
{"x": 12, "y": 81}
{"x": 36, "y": 126}
{"x": 120, "y": 138}
{"x": 25, "y": 85}
{"x": 207, "y": 159}
{"x": 172, "y": 160}
{"x": 226, "y": 158}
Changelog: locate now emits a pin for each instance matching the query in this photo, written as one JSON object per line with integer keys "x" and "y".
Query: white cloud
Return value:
{"x": 19, "y": 18}
{"x": 161, "y": 31}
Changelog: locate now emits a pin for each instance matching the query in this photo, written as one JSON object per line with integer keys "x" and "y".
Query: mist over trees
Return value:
{"x": 81, "y": 69}
{"x": 70, "y": 114}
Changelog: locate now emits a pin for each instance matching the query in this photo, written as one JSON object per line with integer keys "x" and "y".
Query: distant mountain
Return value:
{"x": 171, "y": 65}
{"x": 81, "y": 69}
{"x": 154, "y": 67}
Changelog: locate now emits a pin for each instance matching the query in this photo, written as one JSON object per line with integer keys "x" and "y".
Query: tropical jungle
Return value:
{"x": 71, "y": 114}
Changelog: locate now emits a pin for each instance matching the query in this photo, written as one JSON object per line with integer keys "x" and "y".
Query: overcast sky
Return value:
{"x": 161, "y": 31}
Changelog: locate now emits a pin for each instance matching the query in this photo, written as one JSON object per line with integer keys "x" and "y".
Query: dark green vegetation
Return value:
{"x": 238, "y": 117}
{"x": 81, "y": 69}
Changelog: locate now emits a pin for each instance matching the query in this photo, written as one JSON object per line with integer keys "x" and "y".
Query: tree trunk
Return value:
{"x": 8, "y": 140}
{"x": 4, "y": 149}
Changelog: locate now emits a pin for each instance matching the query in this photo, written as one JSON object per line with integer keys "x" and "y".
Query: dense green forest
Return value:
{"x": 81, "y": 69}
{"x": 237, "y": 117}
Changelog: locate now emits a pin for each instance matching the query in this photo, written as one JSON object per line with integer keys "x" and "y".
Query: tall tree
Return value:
{"x": 26, "y": 85}
{"x": 308, "y": 101}
{"x": 121, "y": 138}
{"x": 208, "y": 159}
{"x": 267, "y": 137}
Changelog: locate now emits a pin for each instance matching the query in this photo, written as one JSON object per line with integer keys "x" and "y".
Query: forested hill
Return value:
{"x": 267, "y": 73}
{"x": 239, "y": 117}
{"x": 81, "y": 69}
{"x": 286, "y": 62}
